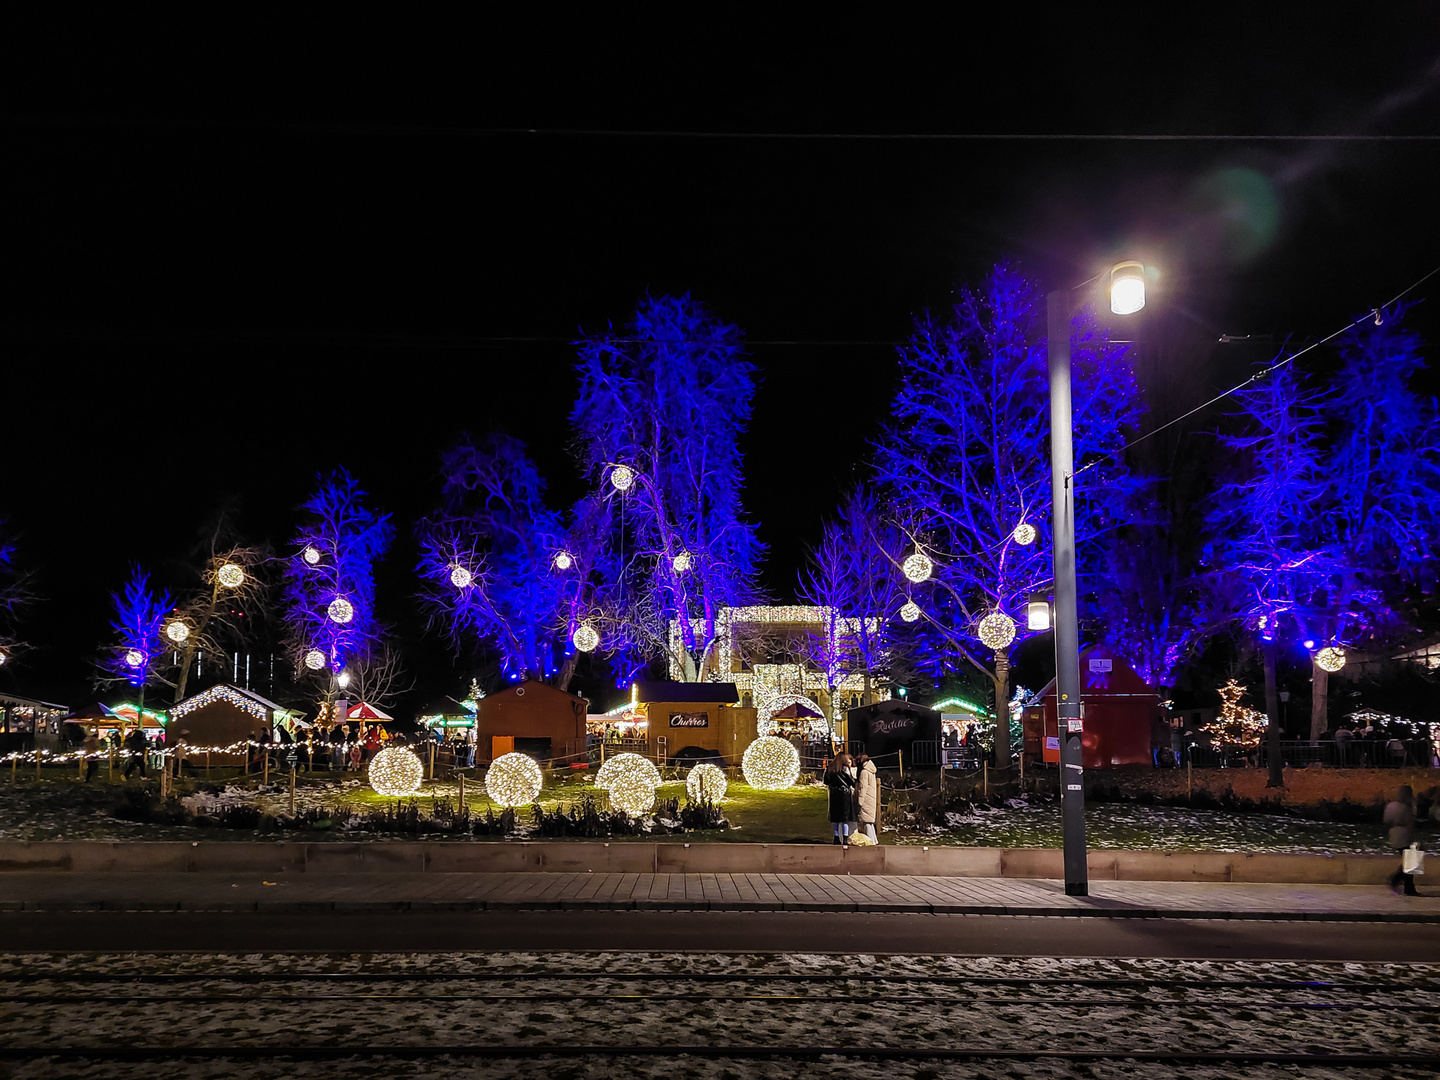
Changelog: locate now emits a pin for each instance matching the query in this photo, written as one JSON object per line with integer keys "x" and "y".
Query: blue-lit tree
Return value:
{"x": 965, "y": 465}
{"x": 658, "y": 421}
{"x": 501, "y": 566}
{"x": 15, "y": 595}
{"x": 139, "y": 622}
{"x": 329, "y": 594}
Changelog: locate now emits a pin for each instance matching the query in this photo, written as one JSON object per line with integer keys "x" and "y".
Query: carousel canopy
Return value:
{"x": 363, "y": 710}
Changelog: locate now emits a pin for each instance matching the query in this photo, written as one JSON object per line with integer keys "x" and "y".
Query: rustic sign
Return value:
{"x": 689, "y": 719}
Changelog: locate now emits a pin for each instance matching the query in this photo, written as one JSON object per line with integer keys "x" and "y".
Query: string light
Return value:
{"x": 341, "y": 610}
{"x": 312, "y": 554}
{"x": 681, "y": 562}
{"x": 177, "y": 631}
{"x": 910, "y": 612}
{"x": 1330, "y": 658}
{"x": 135, "y": 658}
{"x": 461, "y": 578}
{"x": 996, "y": 630}
{"x": 1237, "y": 725}
{"x": 514, "y": 780}
{"x": 396, "y": 771}
{"x": 770, "y": 764}
{"x": 918, "y": 567}
{"x": 314, "y": 659}
{"x": 1024, "y": 534}
{"x": 622, "y": 477}
{"x": 586, "y": 638}
{"x": 706, "y": 783}
{"x": 231, "y": 575}
{"x": 563, "y": 560}
{"x": 630, "y": 781}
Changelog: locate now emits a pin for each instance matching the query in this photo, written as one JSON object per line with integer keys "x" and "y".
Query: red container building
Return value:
{"x": 1121, "y": 716}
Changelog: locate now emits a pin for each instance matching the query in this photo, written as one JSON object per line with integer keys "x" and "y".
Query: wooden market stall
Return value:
{"x": 222, "y": 716}
{"x": 695, "y": 720}
{"x": 1121, "y": 715}
{"x": 531, "y": 718}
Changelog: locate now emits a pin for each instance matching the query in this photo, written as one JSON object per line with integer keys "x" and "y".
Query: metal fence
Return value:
{"x": 1356, "y": 754}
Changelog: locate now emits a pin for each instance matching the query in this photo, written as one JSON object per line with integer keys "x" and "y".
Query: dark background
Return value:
{"x": 244, "y": 252}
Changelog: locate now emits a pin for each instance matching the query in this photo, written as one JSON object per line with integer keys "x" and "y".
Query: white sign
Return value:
{"x": 1102, "y": 665}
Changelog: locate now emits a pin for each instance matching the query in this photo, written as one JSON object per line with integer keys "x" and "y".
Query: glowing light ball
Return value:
{"x": 996, "y": 630}
{"x": 681, "y": 562}
{"x": 563, "y": 560}
{"x": 4, "y": 656}
{"x": 341, "y": 610}
{"x": 231, "y": 576}
{"x": 770, "y": 764}
{"x": 135, "y": 658}
{"x": 910, "y": 612}
{"x": 314, "y": 659}
{"x": 396, "y": 771}
{"x": 514, "y": 780}
{"x": 630, "y": 781}
{"x": 461, "y": 578}
{"x": 177, "y": 631}
{"x": 1024, "y": 534}
{"x": 1330, "y": 658}
{"x": 706, "y": 783}
{"x": 918, "y": 567}
{"x": 312, "y": 555}
{"x": 622, "y": 477}
{"x": 586, "y": 638}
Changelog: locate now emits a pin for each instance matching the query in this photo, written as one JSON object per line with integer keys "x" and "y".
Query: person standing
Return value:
{"x": 840, "y": 779}
{"x": 91, "y": 749}
{"x": 1400, "y": 816}
{"x": 137, "y": 748}
{"x": 867, "y": 799}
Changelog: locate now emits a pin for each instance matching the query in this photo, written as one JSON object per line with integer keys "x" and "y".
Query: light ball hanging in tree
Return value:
{"x": 586, "y": 638}
{"x": 706, "y": 783}
{"x": 396, "y": 771}
{"x": 622, "y": 477}
{"x": 770, "y": 764}
{"x": 682, "y": 562}
{"x": 1024, "y": 534}
{"x": 231, "y": 575}
{"x": 311, "y": 554}
{"x": 630, "y": 781}
{"x": 1330, "y": 658}
{"x": 910, "y": 612}
{"x": 177, "y": 632}
{"x": 460, "y": 577}
{"x": 996, "y": 630}
{"x": 514, "y": 780}
{"x": 564, "y": 560}
{"x": 341, "y": 610}
{"x": 135, "y": 658}
{"x": 918, "y": 567}
{"x": 314, "y": 659}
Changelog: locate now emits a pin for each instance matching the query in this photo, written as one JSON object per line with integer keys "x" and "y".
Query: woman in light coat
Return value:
{"x": 867, "y": 796}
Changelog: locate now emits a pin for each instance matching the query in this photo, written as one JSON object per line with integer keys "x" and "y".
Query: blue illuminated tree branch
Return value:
{"x": 668, "y": 400}
{"x": 15, "y": 595}
{"x": 138, "y": 624}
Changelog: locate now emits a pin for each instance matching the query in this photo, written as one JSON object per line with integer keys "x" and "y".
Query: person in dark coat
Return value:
{"x": 1400, "y": 816}
{"x": 840, "y": 779}
{"x": 135, "y": 745}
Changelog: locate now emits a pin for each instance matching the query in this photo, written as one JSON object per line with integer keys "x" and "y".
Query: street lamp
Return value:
{"x": 1127, "y": 296}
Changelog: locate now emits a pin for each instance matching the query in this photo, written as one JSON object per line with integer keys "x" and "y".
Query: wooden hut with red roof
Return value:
{"x": 1121, "y": 713}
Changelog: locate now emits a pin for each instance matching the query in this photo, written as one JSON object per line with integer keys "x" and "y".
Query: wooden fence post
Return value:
{"x": 292, "y": 792}
{"x": 986, "y": 780}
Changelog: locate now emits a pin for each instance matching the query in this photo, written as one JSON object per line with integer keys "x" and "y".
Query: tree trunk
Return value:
{"x": 567, "y": 672}
{"x": 1273, "y": 757}
{"x": 1002, "y": 709}
{"x": 187, "y": 658}
{"x": 1319, "y": 701}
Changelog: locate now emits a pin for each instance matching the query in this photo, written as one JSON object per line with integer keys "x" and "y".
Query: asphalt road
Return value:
{"x": 549, "y": 931}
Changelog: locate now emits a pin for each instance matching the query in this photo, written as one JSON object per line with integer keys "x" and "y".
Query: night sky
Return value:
{"x": 242, "y": 253}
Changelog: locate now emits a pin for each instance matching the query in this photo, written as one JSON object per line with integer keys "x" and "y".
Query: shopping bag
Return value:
{"x": 1414, "y": 860}
{"x": 859, "y": 839}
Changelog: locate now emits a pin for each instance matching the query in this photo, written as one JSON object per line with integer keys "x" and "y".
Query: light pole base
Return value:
{"x": 1077, "y": 888}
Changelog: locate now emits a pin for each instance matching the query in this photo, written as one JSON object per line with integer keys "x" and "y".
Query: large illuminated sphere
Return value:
{"x": 910, "y": 612}
{"x": 514, "y": 780}
{"x": 461, "y": 578}
{"x": 135, "y": 658}
{"x": 681, "y": 562}
{"x": 177, "y": 631}
{"x": 1024, "y": 534}
{"x": 1127, "y": 288}
{"x": 231, "y": 576}
{"x": 770, "y": 763}
{"x": 918, "y": 567}
{"x": 563, "y": 560}
{"x": 621, "y": 477}
{"x": 312, "y": 554}
{"x": 630, "y": 781}
{"x": 1330, "y": 658}
{"x": 586, "y": 638}
{"x": 396, "y": 771}
{"x": 341, "y": 610}
{"x": 4, "y": 656}
{"x": 314, "y": 659}
{"x": 706, "y": 783}
{"x": 996, "y": 630}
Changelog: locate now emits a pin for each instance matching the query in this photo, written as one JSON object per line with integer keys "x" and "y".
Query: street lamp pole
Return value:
{"x": 1067, "y": 628}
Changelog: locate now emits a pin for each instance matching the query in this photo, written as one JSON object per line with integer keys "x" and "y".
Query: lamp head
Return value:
{"x": 1127, "y": 288}
{"x": 1037, "y": 612}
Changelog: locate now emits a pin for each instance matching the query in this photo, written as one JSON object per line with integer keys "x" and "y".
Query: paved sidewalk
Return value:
{"x": 420, "y": 892}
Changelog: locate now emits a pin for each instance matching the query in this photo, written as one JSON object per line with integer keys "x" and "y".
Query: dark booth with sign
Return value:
{"x": 888, "y": 726}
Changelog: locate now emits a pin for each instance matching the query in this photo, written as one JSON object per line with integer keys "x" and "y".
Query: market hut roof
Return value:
{"x": 363, "y": 710}
{"x": 699, "y": 693}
